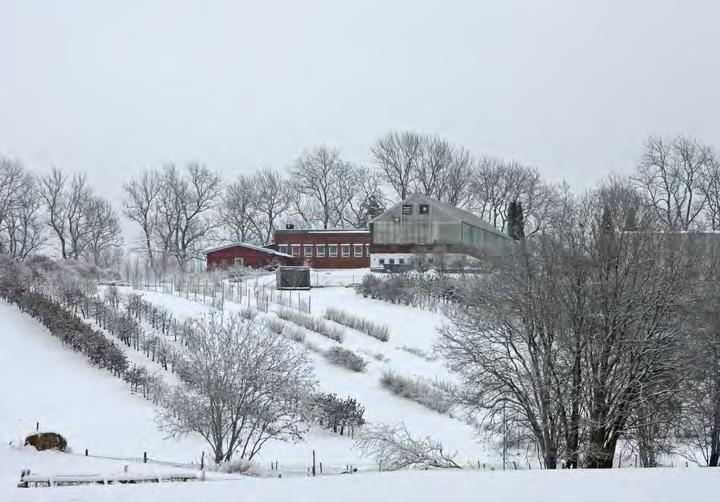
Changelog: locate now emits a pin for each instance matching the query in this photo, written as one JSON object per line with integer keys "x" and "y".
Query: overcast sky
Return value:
{"x": 572, "y": 87}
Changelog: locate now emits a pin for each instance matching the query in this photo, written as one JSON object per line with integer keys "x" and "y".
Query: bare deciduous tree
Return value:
{"x": 242, "y": 386}
{"x": 673, "y": 176}
{"x": 141, "y": 207}
{"x": 396, "y": 156}
{"x": 273, "y": 201}
{"x": 240, "y": 208}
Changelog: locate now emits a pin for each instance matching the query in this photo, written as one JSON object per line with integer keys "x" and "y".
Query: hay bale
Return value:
{"x": 46, "y": 441}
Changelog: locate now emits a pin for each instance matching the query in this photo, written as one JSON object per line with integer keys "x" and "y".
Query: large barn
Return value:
{"x": 421, "y": 225}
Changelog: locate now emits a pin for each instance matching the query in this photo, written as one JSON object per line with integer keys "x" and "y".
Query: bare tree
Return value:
{"x": 187, "y": 205}
{"x": 53, "y": 193}
{"x": 240, "y": 209}
{"x": 103, "y": 236}
{"x": 364, "y": 198}
{"x": 323, "y": 179}
{"x": 396, "y": 157}
{"x": 273, "y": 201}
{"x": 672, "y": 174}
{"x": 242, "y": 386}
{"x": 141, "y": 207}
{"x": 25, "y": 230}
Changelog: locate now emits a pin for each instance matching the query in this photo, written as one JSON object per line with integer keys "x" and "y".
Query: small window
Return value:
{"x": 407, "y": 209}
{"x": 424, "y": 209}
{"x": 392, "y": 261}
{"x": 345, "y": 249}
{"x": 367, "y": 250}
{"x": 401, "y": 261}
{"x": 282, "y": 248}
{"x": 308, "y": 250}
{"x": 358, "y": 250}
{"x": 295, "y": 249}
{"x": 332, "y": 250}
{"x": 381, "y": 261}
{"x": 239, "y": 262}
{"x": 320, "y": 250}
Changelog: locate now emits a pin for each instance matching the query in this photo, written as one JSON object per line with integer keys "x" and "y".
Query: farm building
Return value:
{"x": 325, "y": 248}
{"x": 241, "y": 254}
{"x": 421, "y": 225}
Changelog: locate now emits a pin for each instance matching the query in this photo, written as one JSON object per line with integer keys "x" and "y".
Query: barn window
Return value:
{"x": 308, "y": 250}
{"x": 382, "y": 261}
{"x": 332, "y": 250}
{"x": 424, "y": 209}
{"x": 401, "y": 261}
{"x": 357, "y": 250}
{"x": 392, "y": 261}
{"x": 406, "y": 209}
{"x": 295, "y": 249}
{"x": 367, "y": 250}
{"x": 345, "y": 249}
{"x": 282, "y": 248}
{"x": 239, "y": 262}
{"x": 320, "y": 250}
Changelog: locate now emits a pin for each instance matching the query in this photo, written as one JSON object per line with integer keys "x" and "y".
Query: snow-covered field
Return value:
{"x": 44, "y": 382}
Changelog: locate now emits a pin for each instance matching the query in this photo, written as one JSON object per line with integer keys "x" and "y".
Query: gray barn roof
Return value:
{"x": 453, "y": 212}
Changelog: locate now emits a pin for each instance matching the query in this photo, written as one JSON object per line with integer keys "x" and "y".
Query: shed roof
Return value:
{"x": 248, "y": 246}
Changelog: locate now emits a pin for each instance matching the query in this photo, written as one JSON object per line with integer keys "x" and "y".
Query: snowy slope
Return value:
{"x": 409, "y": 326}
{"x": 48, "y": 383}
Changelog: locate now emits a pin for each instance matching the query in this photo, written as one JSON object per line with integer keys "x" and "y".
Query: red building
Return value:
{"x": 244, "y": 255}
{"x": 325, "y": 248}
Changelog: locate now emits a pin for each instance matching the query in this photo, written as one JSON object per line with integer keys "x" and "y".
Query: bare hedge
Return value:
{"x": 358, "y": 323}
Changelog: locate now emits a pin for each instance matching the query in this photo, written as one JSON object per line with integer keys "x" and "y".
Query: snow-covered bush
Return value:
{"x": 393, "y": 447}
{"x": 248, "y": 313}
{"x": 316, "y": 324}
{"x": 358, "y": 323}
{"x": 429, "y": 394}
{"x": 288, "y": 331}
{"x": 345, "y": 358}
{"x": 238, "y": 466}
{"x": 336, "y": 414}
{"x": 418, "y": 352}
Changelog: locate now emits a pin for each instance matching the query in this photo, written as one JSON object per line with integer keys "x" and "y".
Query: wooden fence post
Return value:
{"x": 144, "y": 457}
{"x": 313, "y": 467}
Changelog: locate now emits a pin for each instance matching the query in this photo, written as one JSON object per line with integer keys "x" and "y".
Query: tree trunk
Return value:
{"x": 602, "y": 449}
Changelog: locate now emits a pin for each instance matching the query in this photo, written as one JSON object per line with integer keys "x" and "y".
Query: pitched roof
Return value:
{"x": 453, "y": 212}
{"x": 249, "y": 246}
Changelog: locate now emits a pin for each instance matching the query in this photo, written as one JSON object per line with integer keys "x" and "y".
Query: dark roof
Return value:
{"x": 320, "y": 231}
{"x": 249, "y": 246}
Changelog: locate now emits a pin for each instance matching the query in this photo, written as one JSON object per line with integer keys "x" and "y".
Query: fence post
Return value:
{"x": 321, "y": 468}
{"x": 144, "y": 457}
{"x": 202, "y": 461}
{"x": 313, "y": 467}
{"x": 86, "y": 452}
{"x": 37, "y": 426}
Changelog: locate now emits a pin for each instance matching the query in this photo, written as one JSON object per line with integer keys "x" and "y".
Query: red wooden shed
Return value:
{"x": 240, "y": 254}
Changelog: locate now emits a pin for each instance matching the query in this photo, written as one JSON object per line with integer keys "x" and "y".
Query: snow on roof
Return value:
{"x": 249, "y": 246}
{"x": 322, "y": 231}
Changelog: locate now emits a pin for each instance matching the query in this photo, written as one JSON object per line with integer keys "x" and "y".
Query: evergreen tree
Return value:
{"x": 511, "y": 218}
{"x": 519, "y": 222}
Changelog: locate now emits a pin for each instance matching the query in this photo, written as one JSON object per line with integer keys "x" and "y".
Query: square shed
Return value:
{"x": 292, "y": 278}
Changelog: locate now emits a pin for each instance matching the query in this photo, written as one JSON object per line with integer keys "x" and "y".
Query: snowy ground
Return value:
{"x": 651, "y": 485}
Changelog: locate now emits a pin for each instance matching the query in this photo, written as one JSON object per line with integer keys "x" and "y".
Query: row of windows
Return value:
{"x": 320, "y": 250}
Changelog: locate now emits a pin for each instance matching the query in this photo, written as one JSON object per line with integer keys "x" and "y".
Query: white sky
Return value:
{"x": 573, "y": 87}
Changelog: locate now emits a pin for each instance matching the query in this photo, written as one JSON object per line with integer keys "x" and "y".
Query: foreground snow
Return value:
{"x": 656, "y": 485}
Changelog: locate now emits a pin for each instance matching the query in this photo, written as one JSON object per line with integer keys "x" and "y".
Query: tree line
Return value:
{"x": 178, "y": 211}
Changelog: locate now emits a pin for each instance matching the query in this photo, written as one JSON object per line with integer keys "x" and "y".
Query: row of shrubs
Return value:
{"x": 418, "y": 290}
{"x": 69, "y": 328}
{"x": 336, "y": 355}
{"x": 358, "y": 323}
{"x": 424, "y": 392}
{"x": 313, "y": 323}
